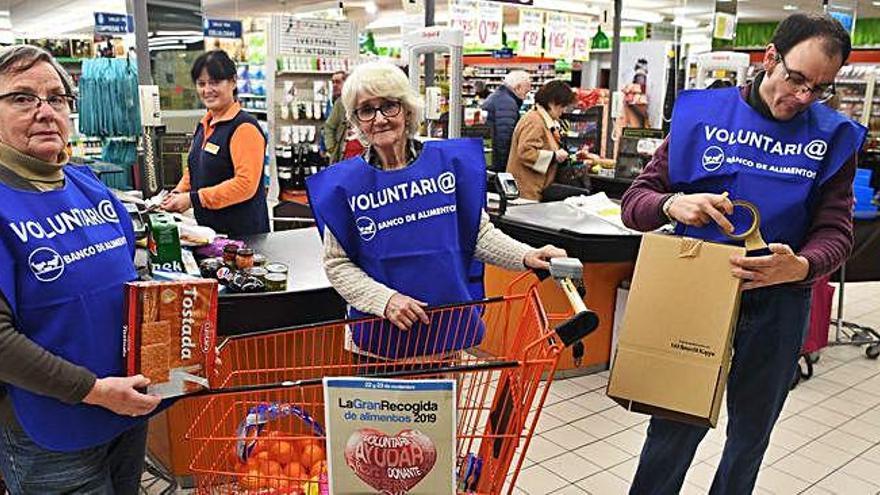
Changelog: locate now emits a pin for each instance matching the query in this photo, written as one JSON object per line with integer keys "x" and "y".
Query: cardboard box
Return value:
{"x": 676, "y": 342}
{"x": 170, "y": 334}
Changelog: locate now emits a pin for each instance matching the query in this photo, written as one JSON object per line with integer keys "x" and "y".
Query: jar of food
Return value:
{"x": 258, "y": 272}
{"x": 276, "y": 267}
{"x": 259, "y": 260}
{"x": 276, "y": 282}
{"x": 244, "y": 259}
{"x": 229, "y": 253}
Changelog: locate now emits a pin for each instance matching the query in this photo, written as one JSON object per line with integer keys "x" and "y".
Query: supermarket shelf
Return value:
{"x": 255, "y": 110}
{"x": 303, "y": 72}
{"x": 251, "y": 95}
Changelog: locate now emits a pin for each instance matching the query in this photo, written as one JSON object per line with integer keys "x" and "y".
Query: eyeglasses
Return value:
{"x": 389, "y": 108}
{"x": 798, "y": 82}
{"x": 29, "y": 101}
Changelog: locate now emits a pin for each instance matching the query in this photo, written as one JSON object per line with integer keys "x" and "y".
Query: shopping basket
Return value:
{"x": 258, "y": 430}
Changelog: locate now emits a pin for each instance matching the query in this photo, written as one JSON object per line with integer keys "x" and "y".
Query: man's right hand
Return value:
{"x": 699, "y": 209}
{"x": 404, "y": 311}
{"x": 119, "y": 395}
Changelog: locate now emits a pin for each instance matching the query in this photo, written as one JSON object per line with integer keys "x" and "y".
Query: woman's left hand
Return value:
{"x": 781, "y": 267}
{"x": 177, "y": 202}
{"x": 540, "y": 258}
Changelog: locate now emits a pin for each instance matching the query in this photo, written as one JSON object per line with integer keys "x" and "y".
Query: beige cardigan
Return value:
{"x": 532, "y": 153}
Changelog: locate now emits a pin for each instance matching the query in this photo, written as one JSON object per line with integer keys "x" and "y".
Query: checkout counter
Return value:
{"x": 607, "y": 250}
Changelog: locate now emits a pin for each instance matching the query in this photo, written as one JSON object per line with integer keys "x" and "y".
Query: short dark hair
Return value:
{"x": 801, "y": 27}
{"x": 554, "y": 91}
{"x": 218, "y": 64}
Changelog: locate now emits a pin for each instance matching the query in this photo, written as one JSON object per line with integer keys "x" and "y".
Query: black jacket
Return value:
{"x": 502, "y": 107}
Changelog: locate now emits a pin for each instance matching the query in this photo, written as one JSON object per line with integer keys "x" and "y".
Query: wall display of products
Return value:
{"x": 298, "y": 63}
{"x": 251, "y": 85}
{"x": 303, "y": 55}
{"x": 859, "y": 98}
{"x": 295, "y": 163}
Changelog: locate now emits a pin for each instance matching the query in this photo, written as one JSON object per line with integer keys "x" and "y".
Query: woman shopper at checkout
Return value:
{"x": 404, "y": 225}
{"x": 223, "y": 180}
{"x": 69, "y": 421}
{"x": 536, "y": 149}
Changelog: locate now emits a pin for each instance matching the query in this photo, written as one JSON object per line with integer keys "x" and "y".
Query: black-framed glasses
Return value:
{"x": 389, "y": 108}
{"x": 29, "y": 101}
{"x": 798, "y": 82}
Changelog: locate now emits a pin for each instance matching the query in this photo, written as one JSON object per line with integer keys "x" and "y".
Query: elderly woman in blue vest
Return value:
{"x": 69, "y": 423}
{"x": 223, "y": 182}
{"x": 404, "y": 225}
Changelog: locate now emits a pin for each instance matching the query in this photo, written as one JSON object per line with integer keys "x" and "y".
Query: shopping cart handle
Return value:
{"x": 577, "y": 327}
{"x": 541, "y": 274}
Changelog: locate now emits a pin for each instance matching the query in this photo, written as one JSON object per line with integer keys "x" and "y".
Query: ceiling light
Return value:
{"x": 371, "y": 8}
{"x": 789, "y": 6}
{"x": 875, "y": 4}
{"x": 641, "y": 16}
{"x": 568, "y": 6}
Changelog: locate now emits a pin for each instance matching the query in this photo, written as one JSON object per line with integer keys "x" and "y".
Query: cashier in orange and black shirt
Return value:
{"x": 223, "y": 182}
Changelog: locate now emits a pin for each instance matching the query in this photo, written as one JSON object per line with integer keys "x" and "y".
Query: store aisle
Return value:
{"x": 827, "y": 441}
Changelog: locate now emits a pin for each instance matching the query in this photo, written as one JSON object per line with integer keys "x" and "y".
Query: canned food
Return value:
{"x": 276, "y": 267}
{"x": 276, "y": 282}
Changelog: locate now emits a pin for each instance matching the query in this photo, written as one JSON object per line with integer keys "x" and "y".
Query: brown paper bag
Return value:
{"x": 676, "y": 341}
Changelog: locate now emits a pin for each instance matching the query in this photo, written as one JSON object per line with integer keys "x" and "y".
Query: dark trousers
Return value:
{"x": 113, "y": 468}
{"x": 771, "y": 329}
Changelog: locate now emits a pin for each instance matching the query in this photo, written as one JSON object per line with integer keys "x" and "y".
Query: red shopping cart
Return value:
{"x": 274, "y": 379}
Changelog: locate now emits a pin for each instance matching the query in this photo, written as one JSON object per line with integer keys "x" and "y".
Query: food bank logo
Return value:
{"x": 46, "y": 264}
{"x": 366, "y": 228}
{"x": 713, "y": 158}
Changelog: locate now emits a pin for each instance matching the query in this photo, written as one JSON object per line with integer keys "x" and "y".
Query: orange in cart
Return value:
{"x": 282, "y": 451}
{"x": 312, "y": 454}
{"x": 318, "y": 468}
{"x": 295, "y": 471}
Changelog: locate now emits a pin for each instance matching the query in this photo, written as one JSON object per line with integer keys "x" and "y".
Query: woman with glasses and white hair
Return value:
{"x": 69, "y": 421}
{"x": 404, "y": 225}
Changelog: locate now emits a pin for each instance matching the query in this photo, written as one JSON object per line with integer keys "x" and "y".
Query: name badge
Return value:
{"x": 212, "y": 148}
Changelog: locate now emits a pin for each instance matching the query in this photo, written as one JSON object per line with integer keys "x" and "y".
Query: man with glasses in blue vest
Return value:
{"x": 774, "y": 144}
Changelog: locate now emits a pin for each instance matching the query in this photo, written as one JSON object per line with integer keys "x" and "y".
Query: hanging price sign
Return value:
{"x": 491, "y": 18}
{"x": 582, "y": 31}
{"x": 531, "y": 25}
{"x": 557, "y": 42}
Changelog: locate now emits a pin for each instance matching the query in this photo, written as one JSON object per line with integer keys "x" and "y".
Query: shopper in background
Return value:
{"x": 804, "y": 194}
{"x": 535, "y": 150}
{"x": 337, "y": 133}
{"x": 223, "y": 181}
{"x": 396, "y": 270}
{"x": 502, "y": 114}
{"x": 69, "y": 421}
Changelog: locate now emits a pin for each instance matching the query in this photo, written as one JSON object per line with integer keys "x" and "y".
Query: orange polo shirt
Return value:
{"x": 247, "y": 147}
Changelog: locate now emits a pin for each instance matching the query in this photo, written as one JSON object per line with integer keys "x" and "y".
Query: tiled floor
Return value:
{"x": 827, "y": 439}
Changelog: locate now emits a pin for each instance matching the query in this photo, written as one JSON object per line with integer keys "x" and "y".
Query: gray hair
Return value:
{"x": 516, "y": 77}
{"x": 382, "y": 80}
{"x": 19, "y": 58}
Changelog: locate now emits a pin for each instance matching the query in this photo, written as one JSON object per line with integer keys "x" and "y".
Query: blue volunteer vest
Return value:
{"x": 65, "y": 257}
{"x": 718, "y": 143}
{"x": 414, "y": 230}
{"x": 209, "y": 169}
